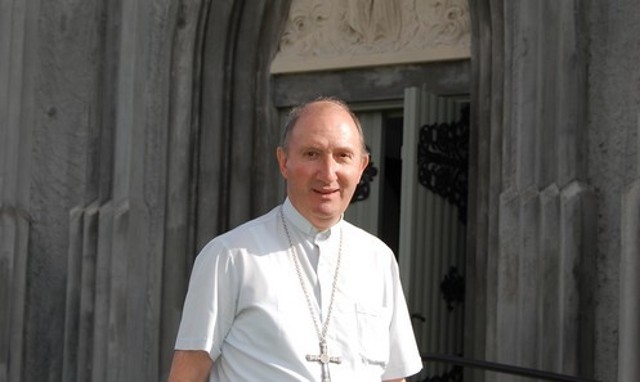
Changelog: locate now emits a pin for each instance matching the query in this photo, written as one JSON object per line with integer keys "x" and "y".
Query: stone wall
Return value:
{"x": 112, "y": 113}
{"x": 556, "y": 172}
{"x": 613, "y": 131}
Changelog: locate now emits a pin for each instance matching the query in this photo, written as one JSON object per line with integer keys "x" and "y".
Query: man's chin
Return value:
{"x": 327, "y": 213}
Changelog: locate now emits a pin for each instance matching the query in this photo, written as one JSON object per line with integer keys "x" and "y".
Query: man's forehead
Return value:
{"x": 323, "y": 109}
{"x": 310, "y": 122}
{"x": 325, "y": 105}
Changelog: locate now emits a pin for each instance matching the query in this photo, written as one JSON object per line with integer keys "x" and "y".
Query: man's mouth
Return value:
{"x": 326, "y": 192}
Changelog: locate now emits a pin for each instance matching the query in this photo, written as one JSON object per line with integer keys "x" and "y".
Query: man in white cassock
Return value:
{"x": 299, "y": 294}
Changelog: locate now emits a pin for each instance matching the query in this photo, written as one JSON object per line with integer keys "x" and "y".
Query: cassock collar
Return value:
{"x": 302, "y": 224}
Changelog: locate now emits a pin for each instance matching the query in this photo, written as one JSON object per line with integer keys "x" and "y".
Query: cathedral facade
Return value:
{"x": 505, "y": 146}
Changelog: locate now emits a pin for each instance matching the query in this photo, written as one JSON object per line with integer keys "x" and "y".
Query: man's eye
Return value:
{"x": 310, "y": 154}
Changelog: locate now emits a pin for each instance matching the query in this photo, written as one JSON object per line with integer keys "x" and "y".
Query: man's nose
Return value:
{"x": 328, "y": 169}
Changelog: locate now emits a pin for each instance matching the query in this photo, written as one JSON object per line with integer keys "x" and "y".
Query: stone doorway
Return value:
{"x": 422, "y": 226}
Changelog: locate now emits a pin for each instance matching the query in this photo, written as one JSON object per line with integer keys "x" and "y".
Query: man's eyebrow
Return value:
{"x": 346, "y": 148}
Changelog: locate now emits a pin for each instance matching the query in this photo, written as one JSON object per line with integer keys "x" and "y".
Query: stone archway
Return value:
{"x": 222, "y": 137}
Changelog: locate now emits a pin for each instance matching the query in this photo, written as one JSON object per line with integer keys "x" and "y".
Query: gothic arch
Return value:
{"x": 222, "y": 134}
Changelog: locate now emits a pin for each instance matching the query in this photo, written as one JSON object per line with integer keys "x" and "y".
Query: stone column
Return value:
{"x": 629, "y": 339}
{"x": 487, "y": 77}
{"x": 237, "y": 167}
{"x": 531, "y": 240}
{"x": 16, "y": 138}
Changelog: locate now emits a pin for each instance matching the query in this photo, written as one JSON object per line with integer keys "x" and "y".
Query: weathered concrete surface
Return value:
{"x": 612, "y": 130}
{"x": 101, "y": 110}
{"x": 15, "y": 149}
{"x": 533, "y": 247}
{"x": 629, "y": 339}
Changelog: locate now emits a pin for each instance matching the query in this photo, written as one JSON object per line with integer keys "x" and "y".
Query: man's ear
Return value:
{"x": 365, "y": 161}
{"x": 282, "y": 161}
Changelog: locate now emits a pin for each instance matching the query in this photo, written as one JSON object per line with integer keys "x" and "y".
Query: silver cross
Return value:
{"x": 324, "y": 358}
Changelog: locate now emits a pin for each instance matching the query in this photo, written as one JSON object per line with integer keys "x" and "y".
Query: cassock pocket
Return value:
{"x": 373, "y": 333}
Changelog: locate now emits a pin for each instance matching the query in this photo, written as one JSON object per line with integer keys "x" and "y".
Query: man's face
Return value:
{"x": 323, "y": 163}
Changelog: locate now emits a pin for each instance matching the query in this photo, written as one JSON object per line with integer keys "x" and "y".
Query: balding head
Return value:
{"x": 319, "y": 103}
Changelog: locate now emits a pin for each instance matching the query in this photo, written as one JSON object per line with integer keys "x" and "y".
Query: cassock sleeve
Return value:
{"x": 210, "y": 304}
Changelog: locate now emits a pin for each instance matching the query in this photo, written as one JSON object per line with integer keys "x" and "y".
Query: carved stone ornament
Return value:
{"x": 333, "y": 34}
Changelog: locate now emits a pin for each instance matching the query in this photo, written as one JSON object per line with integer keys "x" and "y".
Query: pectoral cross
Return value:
{"x": 324, "y": 359}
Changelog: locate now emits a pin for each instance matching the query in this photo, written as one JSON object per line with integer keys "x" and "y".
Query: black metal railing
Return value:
{"x": 502, "y": 368}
